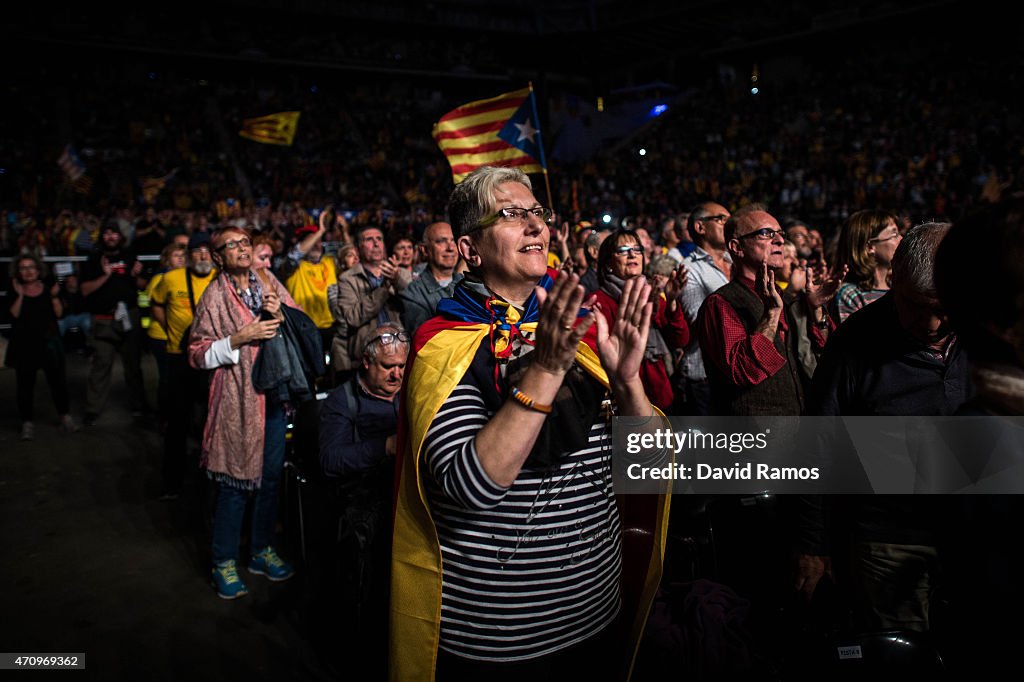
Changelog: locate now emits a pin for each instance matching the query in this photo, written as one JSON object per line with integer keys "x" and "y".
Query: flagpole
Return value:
{"x": 540, "y": 145}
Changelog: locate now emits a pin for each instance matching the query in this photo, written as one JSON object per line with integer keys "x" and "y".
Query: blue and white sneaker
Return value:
{"x": 227, "y": 582}
{"x": 267, "y": 562}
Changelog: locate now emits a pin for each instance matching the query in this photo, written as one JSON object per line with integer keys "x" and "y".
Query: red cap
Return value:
{"x": 301, "y": 232}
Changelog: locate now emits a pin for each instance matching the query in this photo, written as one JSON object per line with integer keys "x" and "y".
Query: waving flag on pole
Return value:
{"x": 151, "y": 187}
{"x": 71, "y": 164}
{"x": 501, "y": 131}
{"x": 74, "y": 170}
{"x": 276, "y": 128}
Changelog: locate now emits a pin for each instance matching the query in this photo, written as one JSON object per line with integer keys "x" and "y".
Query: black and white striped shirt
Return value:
{"x": 530, "y": 569}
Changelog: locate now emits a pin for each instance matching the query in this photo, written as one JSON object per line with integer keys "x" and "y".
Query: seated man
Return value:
{"x": 359, "y": 419}
{"x": 358, "y": 426}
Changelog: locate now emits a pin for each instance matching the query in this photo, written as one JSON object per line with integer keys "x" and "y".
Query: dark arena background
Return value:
{"x": 131, "y": 114}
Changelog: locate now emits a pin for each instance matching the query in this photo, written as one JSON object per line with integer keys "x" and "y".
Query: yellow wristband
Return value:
{"x": 529, "y": 403}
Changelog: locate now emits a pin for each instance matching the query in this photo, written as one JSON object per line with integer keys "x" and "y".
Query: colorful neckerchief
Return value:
{"x": 504, "y": 319}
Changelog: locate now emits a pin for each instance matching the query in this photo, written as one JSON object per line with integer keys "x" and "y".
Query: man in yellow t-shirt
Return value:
{"x": 307, "y": 274}
{"x": 174, "y": 301}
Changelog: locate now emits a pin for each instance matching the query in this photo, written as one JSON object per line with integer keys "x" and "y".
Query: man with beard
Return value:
{"x": 438, "y": 279}
{"x": 174, "y": 303}
{"x": 110, "y": 285}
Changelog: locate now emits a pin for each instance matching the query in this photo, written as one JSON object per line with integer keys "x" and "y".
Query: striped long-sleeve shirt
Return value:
{"x": 529, "y": 569}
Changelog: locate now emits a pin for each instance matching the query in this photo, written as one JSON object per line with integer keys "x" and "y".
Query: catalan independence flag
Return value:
{"x": 501, "y": 131}
{"x": 151, "y": 187}
{"x": 276, "y": 128}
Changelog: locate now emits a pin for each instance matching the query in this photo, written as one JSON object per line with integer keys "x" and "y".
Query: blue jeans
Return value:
{"x": 230, "y": 510}
{"x": 81, "y": 320}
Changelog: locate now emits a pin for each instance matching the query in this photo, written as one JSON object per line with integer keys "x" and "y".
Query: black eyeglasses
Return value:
{"x": 764, "y": 234}
{"x": 720, "y": 218}
{"x": 233, "y": 244}
{"x": 513, "y": 214}
{"x": 626, "y": 249}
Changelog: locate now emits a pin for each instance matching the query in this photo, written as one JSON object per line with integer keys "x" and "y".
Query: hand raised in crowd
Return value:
{"x": 257, "y": 330}
{"x": 621, "y": 347}
{"x": 561, "y": 235}
{"x": 108, "y": 269}
{"x": 17, "y": 286}
{"x": 55, "y": 290}
{"x": 389, "y": 268}
{"x": 676, "y": 282}
{"x": 326, "y": 216}
{"x": 137, "y": 269}
{"x": 822, "y": 283}
{"x": 764, "y": 286}
{"x": 558, "y": 329}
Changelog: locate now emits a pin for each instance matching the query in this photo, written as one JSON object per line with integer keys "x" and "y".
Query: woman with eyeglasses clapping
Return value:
{"x": 620, "y": 259}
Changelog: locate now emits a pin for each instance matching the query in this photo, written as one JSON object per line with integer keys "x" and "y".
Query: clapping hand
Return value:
{"x": 621, "y": 345}
{"x": 558, "y": 331}
{"x": 676, "y": 282}
{"x": 389, "y": 268}
{"x": 561, "y": 235}
{"x": 822, "y": 283}
{"x": 764, "y": 287}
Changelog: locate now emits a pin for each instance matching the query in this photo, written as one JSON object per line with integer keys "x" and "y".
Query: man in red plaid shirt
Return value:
{"x": 750, "y": 339}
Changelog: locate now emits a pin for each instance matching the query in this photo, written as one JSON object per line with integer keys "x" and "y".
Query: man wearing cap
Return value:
{"x": 174, "y": 303}
{"x": 110, "y": 285}
{"x": 307, "y": 274}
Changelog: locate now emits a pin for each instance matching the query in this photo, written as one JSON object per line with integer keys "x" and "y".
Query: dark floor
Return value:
{"x": 93, "y": 563}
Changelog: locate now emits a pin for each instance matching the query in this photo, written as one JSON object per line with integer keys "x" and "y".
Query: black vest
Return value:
{"x": 780, "y": 394}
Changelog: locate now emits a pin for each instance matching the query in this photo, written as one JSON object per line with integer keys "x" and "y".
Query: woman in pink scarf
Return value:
{"x": 244, "y": 439}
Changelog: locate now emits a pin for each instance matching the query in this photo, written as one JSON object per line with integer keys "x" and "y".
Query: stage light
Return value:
{"x": 643, "y": 152}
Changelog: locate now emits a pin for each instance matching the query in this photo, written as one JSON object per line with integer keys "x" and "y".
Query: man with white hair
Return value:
{"x": 896, "y": 356}
{"x": 748, "y": 336}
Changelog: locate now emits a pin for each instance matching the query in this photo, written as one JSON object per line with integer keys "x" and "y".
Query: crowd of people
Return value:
{"x": 460, "y": 350}
{"x": 525, "y": 328}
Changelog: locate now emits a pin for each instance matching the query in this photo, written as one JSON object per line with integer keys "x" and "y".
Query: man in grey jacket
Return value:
{"x": 438, "y": 279}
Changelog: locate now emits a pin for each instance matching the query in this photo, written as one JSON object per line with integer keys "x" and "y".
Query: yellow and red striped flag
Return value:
{"x": 151, "y": 187}
{"x": 276, "y": 128}
{"x": 501, "y": 131}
